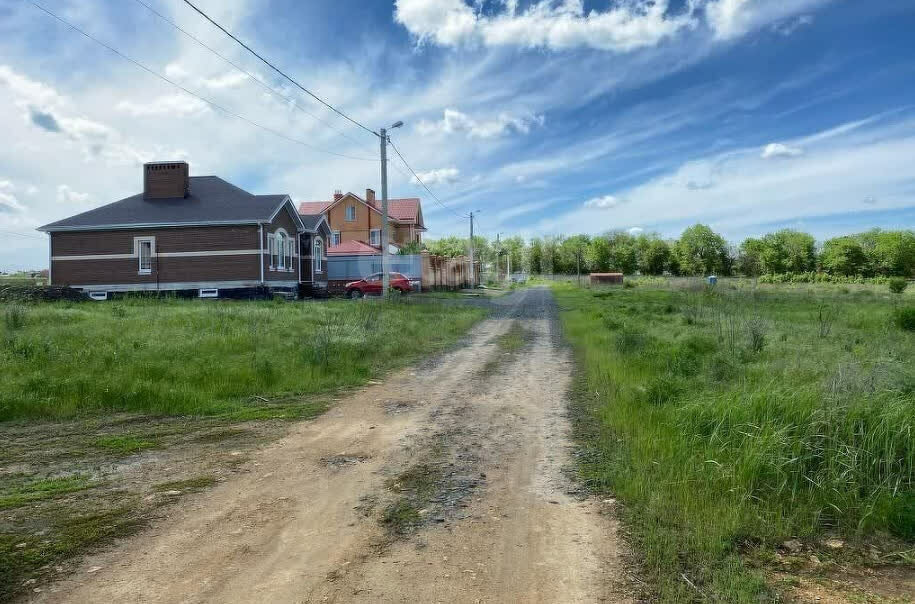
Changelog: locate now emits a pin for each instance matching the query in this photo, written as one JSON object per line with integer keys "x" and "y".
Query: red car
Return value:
{"x": 372, "y": 285}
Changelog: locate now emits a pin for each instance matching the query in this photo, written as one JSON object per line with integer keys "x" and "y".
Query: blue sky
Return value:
{"x": 548, "y": 116}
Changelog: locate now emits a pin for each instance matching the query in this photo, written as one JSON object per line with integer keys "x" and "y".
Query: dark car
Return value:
{"x": 372, "y": 284}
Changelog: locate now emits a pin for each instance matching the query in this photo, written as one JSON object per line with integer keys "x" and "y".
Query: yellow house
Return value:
{"x": 352, "y": 218}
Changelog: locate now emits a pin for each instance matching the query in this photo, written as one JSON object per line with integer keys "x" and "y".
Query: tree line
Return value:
{"x": 698, "y": 251}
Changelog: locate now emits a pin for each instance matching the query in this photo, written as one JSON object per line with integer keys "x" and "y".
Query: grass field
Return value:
{"x": 733, "y": 421}
{"x": 113, "y": 410}
{"x": 181, "y": 357}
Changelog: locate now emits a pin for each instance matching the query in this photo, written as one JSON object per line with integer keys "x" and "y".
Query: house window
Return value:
{"x": 98, "y": 296}
{"x": 375, "y": 237}
{"x": 144, "y": 247}
{"x": 281, "y": 251}
{"x": 350, "y": 213}
{"x": 208, "y": 293}
{"x": 318, "y": 254}
{"x": 335, "y": 238}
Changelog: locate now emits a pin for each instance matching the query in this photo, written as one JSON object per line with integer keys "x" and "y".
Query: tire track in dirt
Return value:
{"x": 503, "y": 522}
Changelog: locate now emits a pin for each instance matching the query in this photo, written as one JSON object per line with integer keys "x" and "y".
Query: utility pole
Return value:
{"x": 385, "y": 260}
{"x": 498, "y": 253}
{"x": 472, "y": 276}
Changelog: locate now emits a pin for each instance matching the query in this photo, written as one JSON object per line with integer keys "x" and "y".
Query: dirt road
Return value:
{"x": 446, "y": 483}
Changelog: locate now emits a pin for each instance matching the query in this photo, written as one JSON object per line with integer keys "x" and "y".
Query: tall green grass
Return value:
{"x": 729, "y": 421}
{"x": 202, "y": 357}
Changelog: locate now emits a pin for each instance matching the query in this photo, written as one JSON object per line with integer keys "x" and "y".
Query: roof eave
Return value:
{"x": 50, "y": 228}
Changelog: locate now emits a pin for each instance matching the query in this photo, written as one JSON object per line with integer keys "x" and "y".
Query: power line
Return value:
{"x": 420, "y": 181}
{"x": 263, "y": 84}
{"x": 194, "y": 94}
{"x": 276, "y": 69}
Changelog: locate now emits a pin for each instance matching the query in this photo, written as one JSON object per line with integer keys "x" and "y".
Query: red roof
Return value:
{"x": 352, "y": 248}
{"x": 402, "y": 210}
{"x": 310, "y": 208}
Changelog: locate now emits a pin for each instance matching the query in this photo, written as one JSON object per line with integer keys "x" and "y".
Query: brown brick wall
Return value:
{"x": 185, "y": 239}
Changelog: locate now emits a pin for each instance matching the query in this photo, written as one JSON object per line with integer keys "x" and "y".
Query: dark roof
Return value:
{"x": 211, "y": 201}
{"x": 311, "y": 221}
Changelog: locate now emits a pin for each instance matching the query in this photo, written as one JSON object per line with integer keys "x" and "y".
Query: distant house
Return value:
{"x": 352, "y": 218}
{"x": 191, "y": 234}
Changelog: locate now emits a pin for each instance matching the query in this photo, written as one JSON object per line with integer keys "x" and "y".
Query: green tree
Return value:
{"x": 700, "y": 250}
{"x": 449, "y": 247}
{"x": 788, "y": 251}
{"x": 750, "y": 257}
{"x": 572, "y": 250}
{"x": 889, "y": 253}
{"x": 843, "y": 256}
{"x": 653, "y": 254}
{"x": 623, "y": 252}
{"x": 535, "y": 256}
{"x": 598, "y": 255}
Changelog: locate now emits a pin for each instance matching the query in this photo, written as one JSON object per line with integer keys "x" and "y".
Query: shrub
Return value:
{"x": 628, "y": 340}
{"x": 902, "y": 516}
{"x": 14, "y": 317}
{"x": 905, "y": 318}
{"x": 897, "y": 285}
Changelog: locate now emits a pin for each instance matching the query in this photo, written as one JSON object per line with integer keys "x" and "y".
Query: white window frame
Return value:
{"x": 271, "y": 247}
{"x": 335, "y": 238}
{"x": 281, "y": 251}
{"x": 348, "y": 217}
{"x": 372, "y": 237}
{"x": 289, "y": 255}
{"x": 317, "y": 250}
{"x": 98, "y": 296}
{"x": 208, "y": 293}
{"x": 137, "y": 246}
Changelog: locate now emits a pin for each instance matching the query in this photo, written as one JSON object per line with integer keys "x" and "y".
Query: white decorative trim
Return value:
{"x": 124, "y": 287}
{"x": 161, "y": 254}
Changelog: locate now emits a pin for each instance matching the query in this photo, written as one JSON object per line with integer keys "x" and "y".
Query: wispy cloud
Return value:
{"x": 605, "y": 202}
{"x": 774, "y": 150}
{"x": 456, "y": 122}
{"x": 441, "y": 176}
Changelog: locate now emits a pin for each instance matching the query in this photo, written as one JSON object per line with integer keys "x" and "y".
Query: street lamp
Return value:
{"x": 385, "y": 261}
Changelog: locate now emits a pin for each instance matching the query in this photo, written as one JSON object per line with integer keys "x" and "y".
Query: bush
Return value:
{"x": 14, "y": 317}
{"x": 905, "y": 318}
{"x": 897, "y": 285}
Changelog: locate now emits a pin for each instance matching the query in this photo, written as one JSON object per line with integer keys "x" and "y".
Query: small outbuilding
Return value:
{"x": 606, "y": 278}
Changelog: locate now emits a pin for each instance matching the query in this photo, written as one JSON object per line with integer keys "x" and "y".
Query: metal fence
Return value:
{"x": 351, "y": 268}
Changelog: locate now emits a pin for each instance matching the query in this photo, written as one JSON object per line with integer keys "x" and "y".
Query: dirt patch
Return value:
{"x": 474, "y": 475}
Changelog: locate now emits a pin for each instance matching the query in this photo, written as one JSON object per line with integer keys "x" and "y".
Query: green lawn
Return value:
{"x": 177, "y": 357}
{"x": 730, "y": 420}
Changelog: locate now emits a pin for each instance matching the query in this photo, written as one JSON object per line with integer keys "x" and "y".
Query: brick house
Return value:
{"x": 352, "y": 218}
{"x": 197, "y": 235}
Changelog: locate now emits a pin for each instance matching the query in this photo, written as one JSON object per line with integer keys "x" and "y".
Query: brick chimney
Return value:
{"x": 338, "y": 195}
{"x": 165, "y": 180}
{"x": 370, "y": 195}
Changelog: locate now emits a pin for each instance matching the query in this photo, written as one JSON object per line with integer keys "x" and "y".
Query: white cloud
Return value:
{"x": 635, "y": 231}
{"x": 229, "y": 79}
{"x": 8, "y": 201}
{"x": 545, "y": 24}
{"x": 442, "y": 176}
{"x": 603, "y": 203}
{"x": 786, "y": 28}
{"x": 832, "y": 177}
{"x": 774, "y": 150}
{"x": 68, "y": 196}
{"x": 564, "y": 24}
{"x": 730, "y": 19}
{"x": 180, "y": 105}
{"x": 454, "y": 122}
